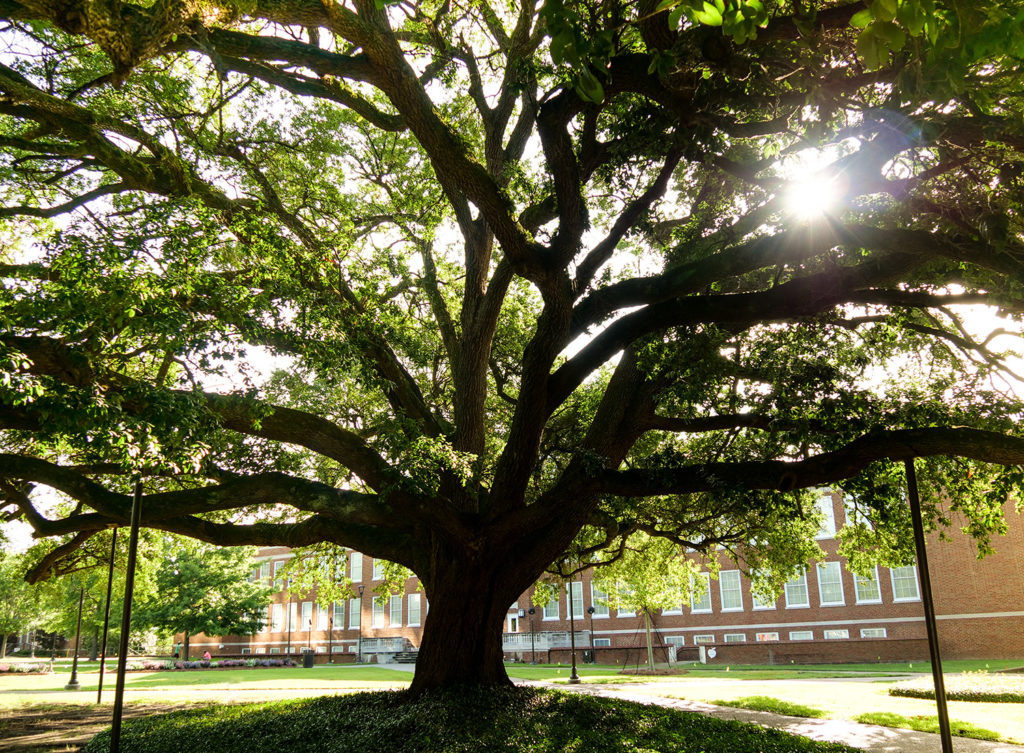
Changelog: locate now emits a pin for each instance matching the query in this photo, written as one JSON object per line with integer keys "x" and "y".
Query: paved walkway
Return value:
{"x": 868, "y": 737}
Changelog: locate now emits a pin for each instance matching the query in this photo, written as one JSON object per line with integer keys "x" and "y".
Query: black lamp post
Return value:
{"x": 288, "y": 646}
{"x": 593, "y": 656}
{"x": 533, "y": 637}
{"x": 574, "y": 678}
{"x": 73, "y": 682}
{"x": 359, "y": 642}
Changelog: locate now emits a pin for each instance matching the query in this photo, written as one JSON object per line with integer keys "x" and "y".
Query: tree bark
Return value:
{"x": 94, "y": 645}
{"x": 184, "y": 649}
{"x": 3, "y": 646}
{"x": 461, "y": 642}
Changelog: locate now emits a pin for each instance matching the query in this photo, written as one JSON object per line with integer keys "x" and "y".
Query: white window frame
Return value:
{"x": 265, "y": 572}
{"x": 378, "y": 569}
{"x": 355, "y": 613}
{"x": 858, "y": 583}
{"x": 837, "y": 634}
{"x": 769, "y": 637}
{"x": 355, "y": 567}
{"x": 791, "y": 587}
{"x": 876, "y": 632}
{"x": 339, "y": 615}
{"x": 675, "y": 640}
{"x": 917, "y": 585}
{"x": 830, "y": 567}
{"x": 602, "y": 642}
{"x": 801, "y": 635}
{"x": 601, "y": 611}
{"x": 395, "y": 611}
{"x": 307, "y": 616}
{"x": 576, "y": 594}
{"x": 703, "y": 639}
{"x": 735, "y": 638}
{"x": 414, "y": 610}
{"x": 735, "y": 589}
{"x": 756, "y": 604}
{"x": 293, "y": 616}
{"x": 826, "y": 506}
{"x": 552, "y": 609}
{"x": 377, "y": 620}
{"x": 322, "y": 617}
{"x": 276, "y": 618}
{"x": 701, "y": 608}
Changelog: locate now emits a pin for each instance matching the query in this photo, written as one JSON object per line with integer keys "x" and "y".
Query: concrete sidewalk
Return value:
{"x": 868, "y": 737}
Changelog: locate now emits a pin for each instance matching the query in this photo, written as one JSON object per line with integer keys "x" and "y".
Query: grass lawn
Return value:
{"x": 845, "y": 699}
{"x": 253, "y": 684}
{"x": 507, "y": 720}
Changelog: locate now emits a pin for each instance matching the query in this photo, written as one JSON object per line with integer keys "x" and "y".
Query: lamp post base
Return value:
{"x": 73, "y": 685}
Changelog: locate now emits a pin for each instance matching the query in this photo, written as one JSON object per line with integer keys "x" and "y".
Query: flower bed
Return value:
{"x": 151, "y": 666}
{"x": 26, "y": 668}
{"x": 969, "y": 686}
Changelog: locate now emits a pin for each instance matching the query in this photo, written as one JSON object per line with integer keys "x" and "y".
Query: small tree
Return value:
{"x": 204, "y": 589}
{"x": 19, "y": 605}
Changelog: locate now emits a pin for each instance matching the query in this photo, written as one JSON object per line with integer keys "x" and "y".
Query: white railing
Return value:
{"x": 543, "y": 640}
{"x": 383, "y": 645}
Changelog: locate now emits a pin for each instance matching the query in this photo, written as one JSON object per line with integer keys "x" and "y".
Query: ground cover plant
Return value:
{"x": 926, "y": 723}
{"x": 507, "y": 719}
{"x": 970, "y": 686}
{"x": 773, "y": 705}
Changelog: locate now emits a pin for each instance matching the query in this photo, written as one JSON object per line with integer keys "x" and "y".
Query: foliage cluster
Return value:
{"x": 463, "y": 721}
{"x": 772, "y": 705}
{"x": 968, "y": 686}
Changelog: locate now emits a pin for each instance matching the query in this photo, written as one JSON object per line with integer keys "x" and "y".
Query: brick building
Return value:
{"x": 826, "y": 615}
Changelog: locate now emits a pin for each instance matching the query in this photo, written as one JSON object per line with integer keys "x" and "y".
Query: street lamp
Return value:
{"x": 359, "y": 642}
{"x": 574, "y": 678}
{"x": 288, "y": 646}
{"x": 73, "y": 682}
{"x": 593, "y": 655}
{"x": 533, "y": 635}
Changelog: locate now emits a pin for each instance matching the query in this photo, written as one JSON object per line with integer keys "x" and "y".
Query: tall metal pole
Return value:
{"x": 330, "y": 614}
{"x": 126, "y": 619}
{"x": 106, "y": 615}
{"x": 288, "y": 648}
{"x": 574, "y": 678}
{"x": 359, "y": 641}
{"x": 929, "y": 608}
{"x": 73, "y": 682}
{"x": 533, "y": 638}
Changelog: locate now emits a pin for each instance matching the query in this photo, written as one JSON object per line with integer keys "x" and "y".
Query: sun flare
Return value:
{"x": 810, "y": 198}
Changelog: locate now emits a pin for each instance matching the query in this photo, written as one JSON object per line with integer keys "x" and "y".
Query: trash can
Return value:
{"x": 307, "y": 659}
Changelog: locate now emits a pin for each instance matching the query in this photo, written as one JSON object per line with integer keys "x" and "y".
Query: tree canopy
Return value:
{"x": 536, "y": 278}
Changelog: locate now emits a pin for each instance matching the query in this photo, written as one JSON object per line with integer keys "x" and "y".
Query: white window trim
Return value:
{"x": 842, "y": 591}
{"x": 807, "y": 593}
{"x": 391, "y": 611}
{"x": 917, "y": 583}
{"x": 809, "y": 633}
{"x": 828, "y": 509}
{"x": 878, "y": 588}
{"x": 419, "y": 610}
{"x": 698, "y": 639}
{"x": 602, "y": 642}
{"x": 557, "y": 601}
{"x": 759, "y": 639}
{"x": 707, "y": 592}
{"x": 883, "y": 631}
{"x": 597, "y": 607}
{"x": 739, "y": 590}
{"x": 736, "y": 638}
{"x": 827, "y": 637}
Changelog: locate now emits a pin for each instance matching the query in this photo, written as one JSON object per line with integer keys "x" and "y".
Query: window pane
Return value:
{"x": 801, "y": 635}
{"x": 414, "y": 609}
{"x": 729, "y": 586}
{"x": 378, "y": 615}
{"x": 551, "y": 608}
{"x": 378, "y": 569}
{"x": 700, "y": 601}
{"x": 830, "y": 583}
{"x": 600, "y": 601}
{"x": 824, "y": 504}
{"x": 396, "y": 611}
{"x": 904, "y": 583}
{"x": 339, "y": 615}
{"x": 576, "y": 589}
{"x": 355, "y": 608}
{"x": 307, "y": 615}
{"x": 866, "y": 588}
{"x": 356, "y": 566}
{"x": 796, "y": 592}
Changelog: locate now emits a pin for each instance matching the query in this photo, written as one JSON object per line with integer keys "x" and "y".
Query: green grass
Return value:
{"x": 926, "y": 724}
{"x": 507, "y": 720}
{"x": 773, "y": 705}
{"x": 976, "y": 687}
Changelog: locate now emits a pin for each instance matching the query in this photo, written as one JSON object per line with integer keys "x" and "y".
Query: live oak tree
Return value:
{"x": 532, "y": 277}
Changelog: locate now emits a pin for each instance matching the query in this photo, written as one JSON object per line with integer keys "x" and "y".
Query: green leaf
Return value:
{"x": 589, "y": 87}
{"x": 861, "y": 19}
{"x": 709, "y": 15}
{"x": 869, "y": 50}
{"x": 884, "y": 10}
{"x": 893, "y": 36}
{"x": 665, "y": 5}
{"x": 676, "y": 16}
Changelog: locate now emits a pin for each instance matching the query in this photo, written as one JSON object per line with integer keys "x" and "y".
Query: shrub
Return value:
{"x": 969, "y": 686}
{"x": 470, "y": 721}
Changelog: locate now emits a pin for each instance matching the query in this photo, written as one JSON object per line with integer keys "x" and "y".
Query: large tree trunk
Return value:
{"x": 94, "y": 644}
{"x": 184, "y": 649}
{"x": 462, "y": 632}
{"x": 3, "y": 646}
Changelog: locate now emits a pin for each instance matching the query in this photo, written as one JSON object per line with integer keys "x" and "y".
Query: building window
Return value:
{"x": 275, "y": 650}
{"x": 824, "y": 505}
{"x": 703, "y": 638}
{"x": 337, "y": 649}
{"x": 904, "y": 583}
{"x": 378, "y": 615}
{"x": 796, "y": 592}
{"x": 599, "y": 600}
{"x": 760, "y": 602}
{"x": 339, "y": 615}
{"x": 830, "y": 584}
{"x": 675, "y": 640}
{"x": 268, "y": 624}
{"x": 322, "y": 623}
{"x": 414, "y": 609}
{"x": 293, "y": 616}
{"x": 836, "y": 635}
{"x": 265, "y": 572}
{"x": 355, "y": 567}
{"x": 321, "y": 649}
{"x": 866, "y": 588}
{"x": 765, "y": 637}
{"x": 277, "y": 573}
{"x": 801, "y": 635}
{"x": 872, "y": 632}
{"x": 395, "y": 616}
{"x": 576, "y": 591}
{"x": 355, "y": 611}
{"x": 378, "y": 569}
{"x": 735, "y": 638}
{"x": 551, "y": 608}
{"x": 730, "y": 590}
{"x": 307, "y": 615}
{"x": 598, "y": 642}
{"x": 277, "y": 617}
{"x": 700, "y": 593}
{"x": 246, "y": 651}
{"x": 261, "y": 651}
